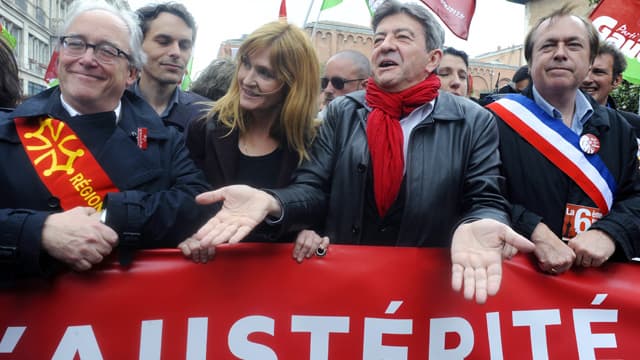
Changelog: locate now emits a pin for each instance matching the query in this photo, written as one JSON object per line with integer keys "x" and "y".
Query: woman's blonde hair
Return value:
{"x": 296, "y": 64}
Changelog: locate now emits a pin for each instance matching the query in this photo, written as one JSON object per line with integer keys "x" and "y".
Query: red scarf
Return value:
{"x": 384, "y": 134}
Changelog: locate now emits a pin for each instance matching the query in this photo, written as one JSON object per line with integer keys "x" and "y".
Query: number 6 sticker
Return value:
{"x": 577, "y": 219}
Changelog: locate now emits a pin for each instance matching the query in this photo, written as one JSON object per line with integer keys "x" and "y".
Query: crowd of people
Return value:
{"x": 398, "y": 155}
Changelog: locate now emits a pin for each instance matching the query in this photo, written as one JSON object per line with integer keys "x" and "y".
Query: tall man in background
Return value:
{"x": 169, "y": 32}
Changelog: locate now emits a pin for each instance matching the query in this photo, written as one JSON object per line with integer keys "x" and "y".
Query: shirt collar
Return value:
{"x": 420, "y": 112}
{"x": 582, "y": 113}
{"x": 73, "y": 112}
{"x": 173, "y": 101}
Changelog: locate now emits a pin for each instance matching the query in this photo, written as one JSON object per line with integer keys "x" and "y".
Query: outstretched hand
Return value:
{"x": 243, "y": 208}
{"x": 476, "y": 256}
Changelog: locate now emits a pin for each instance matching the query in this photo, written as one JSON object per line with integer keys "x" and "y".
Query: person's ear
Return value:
{"x": 433, "y": 60}
{"x": 617, "y": 81}
{"x": 133, "y": 76}
{"x": 363, "y": 83}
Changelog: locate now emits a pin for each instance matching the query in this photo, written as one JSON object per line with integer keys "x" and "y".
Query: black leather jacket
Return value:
{"x": 452, "y": 174}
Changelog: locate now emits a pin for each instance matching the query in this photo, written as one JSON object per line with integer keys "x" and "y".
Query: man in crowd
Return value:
{"x": 345, "y": 72}
{"x": 169, "y": 33}
{"x": 433, "y": 178}
{"x": 519, "y": 82}
{"x": 605, "y": 75}
{"x": 453, "y": 72}
{"x": 570, "y": 164}
{"x": 214, "y": 81}
{"x": 87, "y": 166}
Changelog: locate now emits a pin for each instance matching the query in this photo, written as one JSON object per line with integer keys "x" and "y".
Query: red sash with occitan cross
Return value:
{"x": 63, "y": 163}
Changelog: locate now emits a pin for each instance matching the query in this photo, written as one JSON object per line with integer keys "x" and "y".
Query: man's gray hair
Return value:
{"x": 138, "y": 58}
{"x": 433, "y": 32}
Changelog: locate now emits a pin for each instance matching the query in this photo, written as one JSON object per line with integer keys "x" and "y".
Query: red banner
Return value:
{"x": 456, "y": 14}
{"x": 617, "y": 23}
{"x": 254, "y": 302}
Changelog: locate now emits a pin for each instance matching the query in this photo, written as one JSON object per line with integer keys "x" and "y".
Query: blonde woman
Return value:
{"x": 259, "y": 131}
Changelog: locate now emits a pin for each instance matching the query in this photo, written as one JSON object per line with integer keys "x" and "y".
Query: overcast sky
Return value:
{"x": 495, "y": 23}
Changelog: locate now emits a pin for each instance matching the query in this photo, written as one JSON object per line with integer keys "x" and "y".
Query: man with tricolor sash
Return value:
{"x": 87, "y": 166}
{"x": 570, "y": 164}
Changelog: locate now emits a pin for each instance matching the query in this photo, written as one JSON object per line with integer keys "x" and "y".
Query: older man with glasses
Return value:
{"x": 87, "y": 165}
{"x": 345, "y": 72}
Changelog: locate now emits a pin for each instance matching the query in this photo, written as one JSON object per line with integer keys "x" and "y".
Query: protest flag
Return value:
{"x": 7, "y": 37}
{"x": 455, "y": 14}
{"x": 51, "y": 75}
{"x": 617, "y": 23}
{"x": 327, "y": 4}
{"x": 283, "y": 11}
{"x": 186, "y": 78}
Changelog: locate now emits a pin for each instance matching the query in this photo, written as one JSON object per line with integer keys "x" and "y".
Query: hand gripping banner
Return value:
{"x": 357, "y": 302}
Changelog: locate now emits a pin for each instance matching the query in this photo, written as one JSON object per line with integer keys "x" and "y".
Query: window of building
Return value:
{"x": 38, "y": 55}
{"x": 35, "y": 88}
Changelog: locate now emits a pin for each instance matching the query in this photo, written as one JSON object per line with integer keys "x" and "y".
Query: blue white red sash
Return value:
{"x": 558, "y": 144}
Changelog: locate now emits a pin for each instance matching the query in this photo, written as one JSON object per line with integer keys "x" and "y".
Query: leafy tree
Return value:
{"x": 626, "y": 96}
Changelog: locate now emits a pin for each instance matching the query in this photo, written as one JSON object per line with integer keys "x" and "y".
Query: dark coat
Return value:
{"x": 452, "y": 174}
{"x": 632, "y": 118}
{"x": 190, "y": 107}
{"x": 539, "y": 191}
{"x": 216, "y": 152}
{"x": 154, "y": 208}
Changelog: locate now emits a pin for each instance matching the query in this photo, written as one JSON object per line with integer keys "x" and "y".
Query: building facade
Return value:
{"x": 491, "y": 71}
{"x": 328, "y": 38}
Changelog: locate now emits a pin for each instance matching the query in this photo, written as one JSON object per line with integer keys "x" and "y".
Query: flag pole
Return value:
{"x": 313, "y": 31}
{"x": 306, "y": 18}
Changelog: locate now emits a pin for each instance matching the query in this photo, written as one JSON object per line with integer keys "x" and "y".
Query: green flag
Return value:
{"x": 370, "y": 6}
{"x": 326, "y": 4}
{"x": 186, "y": 79}
{"x": 7, "y": 37}
{"x": 632, "y": 74}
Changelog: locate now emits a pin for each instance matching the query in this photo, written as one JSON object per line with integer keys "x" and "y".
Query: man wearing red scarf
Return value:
{"x": 398, "y": 164}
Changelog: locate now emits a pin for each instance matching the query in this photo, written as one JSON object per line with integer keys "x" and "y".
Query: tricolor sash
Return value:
{"x": 63, "y": 163}
{"x": 560, "y": 145}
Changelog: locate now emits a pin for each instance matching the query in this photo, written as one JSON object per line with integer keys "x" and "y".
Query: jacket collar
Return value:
{"x": 135, "y": 113}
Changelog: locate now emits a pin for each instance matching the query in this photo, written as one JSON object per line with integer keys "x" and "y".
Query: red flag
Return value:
{"x": 456, "y": 14}
{"x": 52, "y": 69}
{"x": 617, "y": 23}
{"x": 283, "y": 10}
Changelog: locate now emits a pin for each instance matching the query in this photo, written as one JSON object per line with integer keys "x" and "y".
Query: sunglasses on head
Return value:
{"x": 336, "y": 82}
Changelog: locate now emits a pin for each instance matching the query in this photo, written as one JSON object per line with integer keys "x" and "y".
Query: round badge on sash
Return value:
{"x": 589, "y": 144}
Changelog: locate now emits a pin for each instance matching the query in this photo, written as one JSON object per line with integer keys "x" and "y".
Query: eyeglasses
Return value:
{"x": 337, "y": 82}
{"x": 104, "y": 52}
